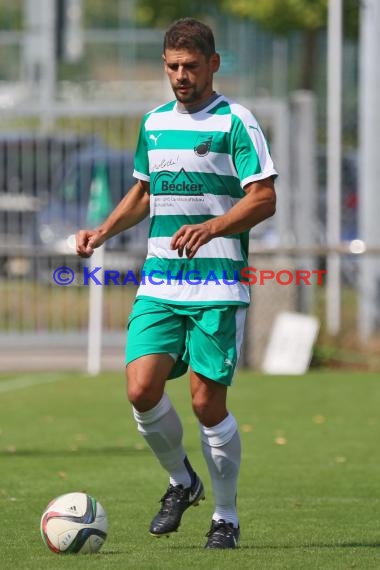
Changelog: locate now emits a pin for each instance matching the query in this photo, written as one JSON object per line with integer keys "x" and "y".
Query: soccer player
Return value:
{"x": 205, "y": 174}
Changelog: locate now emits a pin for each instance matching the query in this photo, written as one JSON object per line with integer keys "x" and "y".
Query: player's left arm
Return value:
{"x": 258, "y": 204}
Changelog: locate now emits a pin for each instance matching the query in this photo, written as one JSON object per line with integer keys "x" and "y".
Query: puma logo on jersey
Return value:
{"x": 154, "y": 138}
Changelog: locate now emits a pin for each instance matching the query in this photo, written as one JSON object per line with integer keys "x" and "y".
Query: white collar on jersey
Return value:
{"x": 181, "y": 109}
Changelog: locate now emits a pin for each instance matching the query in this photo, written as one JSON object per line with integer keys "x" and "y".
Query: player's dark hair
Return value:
{"x": 191, "y": 35}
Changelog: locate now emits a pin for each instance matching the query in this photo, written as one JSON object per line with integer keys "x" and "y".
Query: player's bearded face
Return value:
{"x": 187, "y": 92}
{"x": 190, "y": 75}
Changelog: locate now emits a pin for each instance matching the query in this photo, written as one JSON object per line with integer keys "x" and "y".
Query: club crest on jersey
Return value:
{"x": 203, "y": 145}
{"x": 166, "y": 182}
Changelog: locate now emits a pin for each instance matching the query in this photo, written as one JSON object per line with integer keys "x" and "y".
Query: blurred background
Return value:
{"x": 76, "y": 76}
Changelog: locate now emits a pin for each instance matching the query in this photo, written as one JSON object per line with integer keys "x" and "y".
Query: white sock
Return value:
{"x": 221, "y": 449}
{"x": 162, "y": 430}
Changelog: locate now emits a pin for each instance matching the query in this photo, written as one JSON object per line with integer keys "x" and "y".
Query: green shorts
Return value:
{"x": 208, "y": 339}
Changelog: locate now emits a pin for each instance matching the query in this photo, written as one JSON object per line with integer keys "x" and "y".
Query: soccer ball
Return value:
{"x": 73, "y": 523}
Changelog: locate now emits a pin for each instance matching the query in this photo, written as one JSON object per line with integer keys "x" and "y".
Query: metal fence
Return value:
{"x": 50, "y": 186}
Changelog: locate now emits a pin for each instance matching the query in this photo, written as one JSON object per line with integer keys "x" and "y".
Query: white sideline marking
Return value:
{"x": 27, "y": 382}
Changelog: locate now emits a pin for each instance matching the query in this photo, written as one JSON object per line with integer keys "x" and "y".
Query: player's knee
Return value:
{"x": 138, "y": 396}
{"x": 207, "y": 412}
{"x": 142, "y": 397}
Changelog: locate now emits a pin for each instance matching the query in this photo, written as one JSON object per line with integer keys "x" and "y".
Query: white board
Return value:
{"x": 290, "y": 346}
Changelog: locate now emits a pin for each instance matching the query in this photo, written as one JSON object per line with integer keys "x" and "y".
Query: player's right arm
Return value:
{"x": 133, "y": 208}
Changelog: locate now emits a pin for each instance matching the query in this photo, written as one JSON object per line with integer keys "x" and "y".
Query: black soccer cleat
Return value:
{"x": 174, "y": 503}
{"x": 222, "y": 535}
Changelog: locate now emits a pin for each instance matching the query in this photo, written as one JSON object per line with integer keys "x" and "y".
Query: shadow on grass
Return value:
{"x": 252, "y": 547}
{"x": 311, "y": 546}
{"x": 244, "y": 548}
{"x": 77, "y": 452}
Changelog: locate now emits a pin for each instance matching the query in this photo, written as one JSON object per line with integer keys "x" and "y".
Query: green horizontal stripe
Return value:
{"x": 210, "y": 183}
{"x": 189, "y": 140}
{"x": 166, "y": 226}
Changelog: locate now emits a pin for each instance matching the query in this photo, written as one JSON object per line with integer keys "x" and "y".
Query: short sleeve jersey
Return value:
{"x": 197, "y": 165}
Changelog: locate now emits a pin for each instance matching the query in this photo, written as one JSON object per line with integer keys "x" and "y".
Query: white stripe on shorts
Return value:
{"x": 240, "y": 317}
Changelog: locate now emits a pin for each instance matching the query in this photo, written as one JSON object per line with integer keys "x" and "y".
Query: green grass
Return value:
{"x": 309, "y": 486}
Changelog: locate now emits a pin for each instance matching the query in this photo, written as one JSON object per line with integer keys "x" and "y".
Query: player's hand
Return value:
{"x": 190, "y": 238}
{"x": 87, "y": 241}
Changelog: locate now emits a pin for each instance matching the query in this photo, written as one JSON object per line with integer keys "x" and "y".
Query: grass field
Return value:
{"x": 309, "y": 489}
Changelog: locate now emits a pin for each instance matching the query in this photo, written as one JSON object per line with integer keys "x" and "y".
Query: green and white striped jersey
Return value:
{"x": 197, "y": 165}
